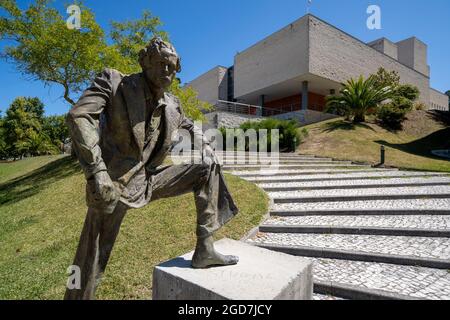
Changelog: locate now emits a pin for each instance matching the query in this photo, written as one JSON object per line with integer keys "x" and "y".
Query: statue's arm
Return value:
{"x": 83, "y": 123}
{"x": 199, "y": 137}
{"x": 196, "y": 132}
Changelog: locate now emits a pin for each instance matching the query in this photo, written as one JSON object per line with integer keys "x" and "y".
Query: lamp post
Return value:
{"x": 294, "y": 144}
{"x": 383, "y": 156}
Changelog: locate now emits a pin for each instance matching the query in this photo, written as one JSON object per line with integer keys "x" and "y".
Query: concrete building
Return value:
{"x": 294, "y": 69}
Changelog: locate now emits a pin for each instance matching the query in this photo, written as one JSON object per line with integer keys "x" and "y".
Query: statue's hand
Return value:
{"x": 102, "y": 193}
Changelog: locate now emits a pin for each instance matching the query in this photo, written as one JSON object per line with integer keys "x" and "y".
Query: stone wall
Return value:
{"x": 305, "y": 117}
{"x": 233, "y": 120}
{"x": 439, "y": 101}
{"x": 338, "y": 56}
{"x": 414, "y": 53}
{"x": 385, "y": 46}
{"x": 227, "y": 120}
{"x": 211, "y": 85}
{"x": 282, "y": 56}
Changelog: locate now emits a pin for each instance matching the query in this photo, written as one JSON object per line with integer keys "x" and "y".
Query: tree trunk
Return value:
{"x": 359, "y": 118}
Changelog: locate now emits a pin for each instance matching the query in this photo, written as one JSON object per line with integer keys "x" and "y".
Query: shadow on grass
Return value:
{"x": 344, "y": 125}
{"x": 423, "y": 147}
{"x": 442, "y": 117}
{"x": 32, "y": 183}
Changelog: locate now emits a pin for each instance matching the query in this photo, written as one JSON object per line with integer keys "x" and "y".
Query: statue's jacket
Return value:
{"x": 108, "y": 130}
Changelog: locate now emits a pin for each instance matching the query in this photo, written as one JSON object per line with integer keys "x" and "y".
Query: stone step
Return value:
{"x": 270, "y": 155}
{"x": 342, "y": 177}
{"x": 293, "y": 166}
{"x": 258, "y": 164}
{"x": 368, "y": 280}
{"x": 369, "y": 207}
{"x": 356, "y": 231}
{"x": 356, "y": 213}
{"x": 356, "y": 184}
{"x": 394, "y": 222}
{"x": 318, "y": 297}
{"x": 401, "y": 250}
{"x": 386, "y": 193}
{"x": 281, "y": 157}
{"x": 231, "y": 162}
{"x": 265, "y": 159}
{"x": 352, "y": 292}
{"x": 280, "y": 172}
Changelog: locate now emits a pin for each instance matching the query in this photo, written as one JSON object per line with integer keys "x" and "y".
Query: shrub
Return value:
{"x": 407, "y": 91}
{"x": 391, "y": 116}
{"x": 289, "y": 135}
{"x": 402, "y": 103}
{"x": 420, "y": 106}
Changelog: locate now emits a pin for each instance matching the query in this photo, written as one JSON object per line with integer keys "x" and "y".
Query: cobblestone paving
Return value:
{"x": 419, "y": 282}
{"x": 356, "y": 182}
{"x": 412, "y": 204}
{"x": 300, "y": 172}
{"x": 422, "y": 247}
{"x": 264, "y": 161}
{"x": 419, "y": 191}
{"x": 401, "y": 221}
{"x": 316, "y": 165}
{"x": 369, "y": 175}
{"x": 293, "y": 160}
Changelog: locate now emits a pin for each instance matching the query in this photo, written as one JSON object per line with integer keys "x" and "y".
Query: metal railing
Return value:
{"x": 236, "y": 107}
{"x": 248, "y": 109}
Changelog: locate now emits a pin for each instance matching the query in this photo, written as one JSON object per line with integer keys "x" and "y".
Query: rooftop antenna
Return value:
{"x": 308, "y": 6}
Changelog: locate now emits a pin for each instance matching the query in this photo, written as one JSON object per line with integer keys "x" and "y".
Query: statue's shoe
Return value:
{"x": 215, "y": 261}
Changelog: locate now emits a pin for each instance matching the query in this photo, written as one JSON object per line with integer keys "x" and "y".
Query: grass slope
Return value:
{"x": 41, "y": 217}
{"x": 409, "y": 148}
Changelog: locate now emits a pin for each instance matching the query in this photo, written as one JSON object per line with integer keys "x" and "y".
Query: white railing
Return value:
{"x": 248, "y": 109}
{"x": 236, "y": 107}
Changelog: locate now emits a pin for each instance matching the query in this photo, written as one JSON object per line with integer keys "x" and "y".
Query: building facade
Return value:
{"x": 295, "y": 68}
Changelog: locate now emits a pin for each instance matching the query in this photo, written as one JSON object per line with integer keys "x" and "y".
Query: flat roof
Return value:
{"x": 344, "y": 32}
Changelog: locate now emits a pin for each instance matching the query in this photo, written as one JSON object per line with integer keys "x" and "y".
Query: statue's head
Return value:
{"x": 160, "y": 63}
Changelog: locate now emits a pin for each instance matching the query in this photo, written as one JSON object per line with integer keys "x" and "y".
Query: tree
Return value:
{"x": 33, "y": 106}
{"x": 22, "y": 129}
{"x": 18, "y": 126}
{"x": 44, "y": 49}
{"x": 384, "y": 78}
{"x": 358, "y": 96}
{"x": 3, "y": 148}
{"x": 192, "y": 106}
{"x": 38, "y": 143}
{"x": 56, "y": 129}
{"x": 131, "y": 36}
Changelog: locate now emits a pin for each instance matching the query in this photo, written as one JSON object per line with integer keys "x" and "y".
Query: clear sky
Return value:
{"x": 208, "y": 33}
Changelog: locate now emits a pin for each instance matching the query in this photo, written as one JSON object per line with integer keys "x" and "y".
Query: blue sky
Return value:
{"x": 207, "y": 33}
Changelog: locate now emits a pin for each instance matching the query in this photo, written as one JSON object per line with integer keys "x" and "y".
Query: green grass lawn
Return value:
{"x": 42, "y": 209}
{"x": 409, "y": 148}
{"x": 15, "y": 169}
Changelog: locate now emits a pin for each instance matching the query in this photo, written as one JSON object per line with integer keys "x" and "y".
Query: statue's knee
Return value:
{"x": 204, "y": 172}
{"x": 206, "y": 169}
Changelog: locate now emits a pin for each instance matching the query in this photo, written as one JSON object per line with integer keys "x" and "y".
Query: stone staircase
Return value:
{"x": 371, "y": 233}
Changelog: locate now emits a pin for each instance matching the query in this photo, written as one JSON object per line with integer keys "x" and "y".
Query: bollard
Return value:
{"x": 383, "y": 155}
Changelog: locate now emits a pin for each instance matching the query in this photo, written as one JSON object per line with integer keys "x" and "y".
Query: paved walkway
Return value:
{"x": 371, "y": 233}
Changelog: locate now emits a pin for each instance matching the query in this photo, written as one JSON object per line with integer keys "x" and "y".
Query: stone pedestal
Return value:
{"x": 261, "y": 274}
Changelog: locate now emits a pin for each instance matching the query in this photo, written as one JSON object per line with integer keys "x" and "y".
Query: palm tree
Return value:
{"x": 357, "y": 97}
